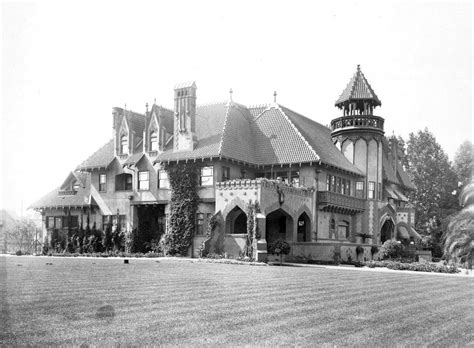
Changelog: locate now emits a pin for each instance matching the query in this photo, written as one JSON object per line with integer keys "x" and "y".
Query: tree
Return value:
{"x": 431, "y": 172}
{"x": 463, "y": 162}
{"x": 459, "y": 237}
{"x": 23, "y": 233}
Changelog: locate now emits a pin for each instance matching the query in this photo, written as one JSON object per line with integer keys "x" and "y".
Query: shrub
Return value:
{"x": 414, "y": 266}
{"x": 18, "y": 253}
{"x": 359, "y": 250}
{"x": 279, "y": 247}
{"x": 390, "y": 250}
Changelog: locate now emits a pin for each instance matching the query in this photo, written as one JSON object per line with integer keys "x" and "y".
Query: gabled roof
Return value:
{"x": 319, "y": 138}
{"x": 164, "y": 117}
{"x": 99, "y": 159}
{"x": 404, "y": 179}
{"x": 56, "y": 199}
{"x": 358, "y": 88}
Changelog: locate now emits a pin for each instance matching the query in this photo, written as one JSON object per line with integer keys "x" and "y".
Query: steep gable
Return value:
{"x": 99, "y": 159}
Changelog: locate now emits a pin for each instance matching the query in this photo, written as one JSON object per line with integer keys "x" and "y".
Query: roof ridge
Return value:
{"x": 99, "y": 149}
{"x": 268, "y": 107}
{"x": 162, "y": 107}
{"x": 219, "y": 151}
{"x": 297, "y": 131}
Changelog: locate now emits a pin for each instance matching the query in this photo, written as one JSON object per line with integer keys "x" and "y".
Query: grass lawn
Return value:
{"x": 100, "y": 302}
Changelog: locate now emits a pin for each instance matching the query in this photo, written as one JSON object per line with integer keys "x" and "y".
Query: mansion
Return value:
{"x": 323, "y": 190}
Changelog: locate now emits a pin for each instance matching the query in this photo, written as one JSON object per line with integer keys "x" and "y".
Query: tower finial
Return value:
{"x": 230, "y": 94}
{"x": 125, "y": 106}
{"x": 275, "y": 96}
{"x": 146, "y": 105}
{"x": 154, "y": 101}
{"x": 358, "y": 67}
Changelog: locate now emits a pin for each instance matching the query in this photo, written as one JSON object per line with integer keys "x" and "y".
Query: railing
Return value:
{"x": 67, "y": 193}
{"x": 332, "y": 200}
{"x": 264, "y": 184}
{"x": 357, "y": 121}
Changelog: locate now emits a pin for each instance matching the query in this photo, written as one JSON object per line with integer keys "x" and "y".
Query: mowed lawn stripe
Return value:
{"x": 180, "y": 302}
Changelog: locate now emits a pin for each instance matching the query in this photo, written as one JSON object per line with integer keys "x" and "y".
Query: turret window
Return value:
{"x": 153, "y": 141}
{"x": 123, "y": 145}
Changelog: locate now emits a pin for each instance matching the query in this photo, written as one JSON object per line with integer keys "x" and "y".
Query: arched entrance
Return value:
{"x": 236, "y": 221}
{"x": 279, "y": 225}
{"x": 303, "y": 228}
{"x": 386, "y": 232}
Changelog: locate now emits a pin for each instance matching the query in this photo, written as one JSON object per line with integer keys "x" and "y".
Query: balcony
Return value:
{"x": 359, "y": 122}
{"x": 338, "y": 203}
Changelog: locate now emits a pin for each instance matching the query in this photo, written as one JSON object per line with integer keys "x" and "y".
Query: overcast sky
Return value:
{"x": 66, "y": 64}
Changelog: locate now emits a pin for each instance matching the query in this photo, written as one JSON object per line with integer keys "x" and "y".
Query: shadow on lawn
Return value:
{"x": 106, "y": 313}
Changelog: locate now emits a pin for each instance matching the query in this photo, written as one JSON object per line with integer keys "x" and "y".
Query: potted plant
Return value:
{"x": 365, "y": 236}
{"x": 279, "y": 248}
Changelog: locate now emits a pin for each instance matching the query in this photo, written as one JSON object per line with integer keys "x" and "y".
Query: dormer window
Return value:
{"x": 75, "y": 186}
{"x": 153, "y": 141}
{"x": 123, "y": 145}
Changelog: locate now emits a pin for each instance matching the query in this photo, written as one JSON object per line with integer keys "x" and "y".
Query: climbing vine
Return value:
{"x": 252, "y": 210}
{"x": 183, "y": 206}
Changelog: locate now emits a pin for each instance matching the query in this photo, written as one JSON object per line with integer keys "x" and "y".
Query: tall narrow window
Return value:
{"x": 343, "y": 186}
{"x": 328, "y": 182}
{"x": 58, "y": 222}
{"x": 360, "y": 189}
{"x": 199, "y": 223}
{"x": 371, "y": 190}
{"x": 123, "y": 182}
{"x": 76, "y": 186}
{"x": 225, "y": 173}
{"x": 123, "y": 145}
{"x": 143, "y": 180}
{"x": 333, "y": 183}
{"x": 102, "y": 182}
{"x": 348, "y": 187}
{"x": 338, "y": 185}
{"x": 154, "y": 141}
{"x": 50, "y": 222}
{"x": 207, "y": 176}
{"x": 163, "y": 182}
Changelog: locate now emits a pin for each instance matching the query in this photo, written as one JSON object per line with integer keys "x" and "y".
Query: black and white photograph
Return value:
{"x": 236, "y": 173}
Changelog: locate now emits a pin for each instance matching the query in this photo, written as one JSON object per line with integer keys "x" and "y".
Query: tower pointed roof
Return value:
{"x": 358, "y": 88}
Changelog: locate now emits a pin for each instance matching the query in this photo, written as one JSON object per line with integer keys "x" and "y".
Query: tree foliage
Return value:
{"x": 459, "y": 237}
{"x": 436, "y": 182}
{"x": 463, "y": 162}
{"x": 22, "y": 234}
{"x": 434, "y": 178}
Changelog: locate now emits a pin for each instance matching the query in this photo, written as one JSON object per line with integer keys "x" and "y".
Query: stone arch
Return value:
{"x": 236, "y": 201}
{"x": 387, "y": 212}
{"x": 303, "y": 228}
{"x": 275, "y": 206}
{"x": 278, "y": 225}
{"x": 236, "y": 221}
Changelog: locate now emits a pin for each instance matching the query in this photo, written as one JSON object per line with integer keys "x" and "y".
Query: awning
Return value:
{"x": 389, "y": 192}
{"x": 400, "y": 194}
{"x": 402, "y": 233}
{"x": 100, "y": 202}
{"x": 407, "y": 232}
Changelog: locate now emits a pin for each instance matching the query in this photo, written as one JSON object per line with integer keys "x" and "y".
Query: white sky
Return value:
{"x": 66, "y": 64}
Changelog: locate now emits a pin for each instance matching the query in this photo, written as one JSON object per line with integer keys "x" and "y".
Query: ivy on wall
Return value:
{"x": 183, "y": 179}
{"x": 252, "y": 210}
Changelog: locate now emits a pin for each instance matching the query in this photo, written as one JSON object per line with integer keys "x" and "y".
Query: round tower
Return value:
{"x": 358, "y": 133}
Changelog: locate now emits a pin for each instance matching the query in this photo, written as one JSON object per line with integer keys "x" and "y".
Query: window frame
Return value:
{"x": 360, "y": 191}
{"x": 144, "y": 184}
{"x": 153, "y": 140}
{"x": 161, "y": 181}
{"x": 225, "y": 170}
{"x": 199, "y": 223}
{"x": 371, "y": 190}
{"x": 102, "y": 185}
{"x": 210, "y": 177}
{"x": 124, "y": 145}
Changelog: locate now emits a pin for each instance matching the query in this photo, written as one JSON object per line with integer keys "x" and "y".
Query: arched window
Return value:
{"x": 153, "y": 141}
{"x": 332, "y": 224}
{"x": 123, "y": 145}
